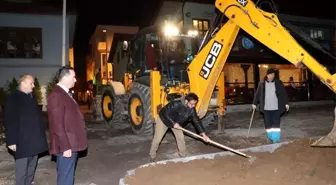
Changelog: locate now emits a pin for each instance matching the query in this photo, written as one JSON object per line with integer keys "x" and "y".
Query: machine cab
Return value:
{"x": 167, "y": 50}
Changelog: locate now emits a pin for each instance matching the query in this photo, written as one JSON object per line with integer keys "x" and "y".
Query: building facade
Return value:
{"x": 31, "y": 42}
{"x": 249, "y": 59}
{"x": 102, "y": 42}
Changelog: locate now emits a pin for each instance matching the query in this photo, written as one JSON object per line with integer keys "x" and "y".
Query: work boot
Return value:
{"x": 269, "y": 138}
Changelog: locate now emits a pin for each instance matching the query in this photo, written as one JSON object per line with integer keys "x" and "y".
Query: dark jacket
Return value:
{"x": 280, "y": 91}
{"x": 178, "y": 112}
{"x": 23, "y": 124}
{"x": 67, "y": 129}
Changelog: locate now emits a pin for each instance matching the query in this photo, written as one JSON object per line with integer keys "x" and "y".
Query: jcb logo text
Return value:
{"x": 210, "y": 60}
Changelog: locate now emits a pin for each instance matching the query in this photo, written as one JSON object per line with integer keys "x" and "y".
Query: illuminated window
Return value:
{"x": 317, "y": 34}
{"x": 201, "y": 25}
{"x": 322, "y": 36}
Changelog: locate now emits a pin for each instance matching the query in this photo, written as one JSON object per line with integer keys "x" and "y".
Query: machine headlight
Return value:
{"x": 170, "y": 30}
{"x": 192, "y": 33}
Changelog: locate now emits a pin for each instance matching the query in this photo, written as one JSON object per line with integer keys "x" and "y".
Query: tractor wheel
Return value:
{"x": 209, "y": 119}
{"x": 139, "y": 110}
{"x": 112, "y": 106}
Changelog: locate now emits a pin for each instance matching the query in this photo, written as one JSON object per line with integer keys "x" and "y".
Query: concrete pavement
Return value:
{"x": 113, "y": 150}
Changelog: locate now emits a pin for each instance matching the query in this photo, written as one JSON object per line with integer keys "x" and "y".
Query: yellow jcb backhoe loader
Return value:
{"x": 205, "y": 72}
{"x": 152, "y": 49}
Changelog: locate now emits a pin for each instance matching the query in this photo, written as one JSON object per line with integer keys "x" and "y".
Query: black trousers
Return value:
{"x": 25, "y": 170}
{"x": 271, "y": 119}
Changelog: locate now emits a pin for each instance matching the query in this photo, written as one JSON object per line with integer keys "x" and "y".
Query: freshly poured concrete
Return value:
{"x": 264, "y": 148}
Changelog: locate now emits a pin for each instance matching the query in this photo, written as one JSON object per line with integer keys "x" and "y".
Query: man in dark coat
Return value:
{"x": 24, "y": 130}
{"x": 272, "y": 98}
{"x": 67, "y": 129}
{"x": 174, "y": 115}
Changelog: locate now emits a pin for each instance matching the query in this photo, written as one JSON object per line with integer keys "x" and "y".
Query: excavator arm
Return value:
{"x": 205, "y": 70}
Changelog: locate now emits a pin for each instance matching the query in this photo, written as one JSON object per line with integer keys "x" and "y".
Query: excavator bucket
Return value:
{"x": 329, "y": 140}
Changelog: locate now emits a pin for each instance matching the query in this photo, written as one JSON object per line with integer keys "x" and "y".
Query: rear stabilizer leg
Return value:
{"x": 330, "y": 139}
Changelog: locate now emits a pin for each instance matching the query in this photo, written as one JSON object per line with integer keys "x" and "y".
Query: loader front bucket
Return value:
{"x": 329, "y": 140}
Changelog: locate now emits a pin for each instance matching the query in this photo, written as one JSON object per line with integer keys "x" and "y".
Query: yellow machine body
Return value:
{"x": 206, "y": 70}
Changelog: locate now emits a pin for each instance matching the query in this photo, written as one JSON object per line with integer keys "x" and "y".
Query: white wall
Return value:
{"x": 51, "y": 42}
{"x": 100, "y": 36}
{"x": 51, "y": 60}
{"x": 198, "y": 11}
{"x": 170, "y": 11}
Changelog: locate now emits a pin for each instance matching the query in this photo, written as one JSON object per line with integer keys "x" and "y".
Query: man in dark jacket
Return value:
{"x": 24, "y": 130}
{"x": 273, "y": 102}
{"x": 67, "y": 129}
{"x": 175, "y": 115}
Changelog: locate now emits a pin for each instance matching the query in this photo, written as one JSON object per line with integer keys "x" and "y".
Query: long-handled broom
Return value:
{"x": 248, "y": 132}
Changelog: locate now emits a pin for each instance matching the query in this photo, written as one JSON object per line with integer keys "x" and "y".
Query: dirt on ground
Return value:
{"x": 296, "y": 163}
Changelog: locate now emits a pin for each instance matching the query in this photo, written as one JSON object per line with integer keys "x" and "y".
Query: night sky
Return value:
{"x": 113, "y": 12}
{"x": 142, "y": 12}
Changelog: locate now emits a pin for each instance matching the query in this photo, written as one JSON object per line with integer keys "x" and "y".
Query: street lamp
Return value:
{"x": 63, "y": 32}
